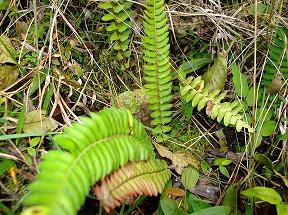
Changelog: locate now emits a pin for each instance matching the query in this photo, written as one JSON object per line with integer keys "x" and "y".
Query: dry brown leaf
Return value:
{"x": 37, "y": 122}
{"x": 173, "y": 191}
{"x": 8, "y": 74}
{"x": 209, "y": 108}
{"x": 179, "y": 159}
{"x": 6, "y": 50}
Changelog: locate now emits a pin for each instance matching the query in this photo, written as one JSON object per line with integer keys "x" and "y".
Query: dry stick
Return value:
{"x": 252, "y": 148}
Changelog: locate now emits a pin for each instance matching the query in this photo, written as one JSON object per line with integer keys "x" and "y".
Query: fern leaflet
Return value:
{"x": 278, "y": 57}
{"x": 157, "y": 68}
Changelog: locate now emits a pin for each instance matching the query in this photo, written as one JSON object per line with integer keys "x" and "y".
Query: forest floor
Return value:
{"x": 57, "y": 63}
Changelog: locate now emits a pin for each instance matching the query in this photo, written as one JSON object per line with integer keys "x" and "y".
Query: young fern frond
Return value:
{"x": 95, "y": 148}
{"x": 136, "y": 178}
{"x": 119, "y": 14}
{"x": 157, "y": 67}
{"x": 278, "y": 57}
{"x": 193, "y": 90}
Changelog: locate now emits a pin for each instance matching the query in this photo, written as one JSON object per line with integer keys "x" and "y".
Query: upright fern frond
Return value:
{"x": 95, "y": 148}
{"x": 119, "y": 14}
{"x": 137, "y": 178}
{"x": 278, "y": 57}
{"x": 157, "y": 67}
{"x": 193, "y": 90}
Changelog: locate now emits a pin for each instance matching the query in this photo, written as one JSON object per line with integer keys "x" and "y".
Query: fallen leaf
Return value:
{"x": 132, "y": 100}
{"x": 173, "y": 191}
{"x": 6, "y": 50}
{"x": 8, "y": 74}
{"x": 216, "y": 76}
{"x": 37, "y": 122}
{"x": 180, "y": 159}
{"x": 208, "y": 191}
{"x": 209, "y": 108}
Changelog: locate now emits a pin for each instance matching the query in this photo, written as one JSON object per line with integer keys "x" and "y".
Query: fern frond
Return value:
{"x": 136, "y": 178}
{"x": 193, "y": 90}
{"x": 278, "y": 57}
{"x": 157, "y": 67}
{"x": 95, "y": 148}
{"x": 119, "y": 14}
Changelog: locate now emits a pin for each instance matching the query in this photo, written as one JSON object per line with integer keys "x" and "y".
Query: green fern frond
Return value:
{"x": 157, "y": 67}
{"x": 119, "y": 14}
{"x": 95, "y": 148}
{"x": 278, "y": 57}
{"x": 193, "y": 90}
{"x": 136, "y": 178}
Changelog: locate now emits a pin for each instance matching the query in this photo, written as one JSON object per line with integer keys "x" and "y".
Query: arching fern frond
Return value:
{"x": 157, "y": 67}
{"x": 119, "y": 14}
{"x": 95, "y": 148}
{"x": 193, "y": 90}
{"x": 278, "y": 57}
{"x": 136, "y": 178}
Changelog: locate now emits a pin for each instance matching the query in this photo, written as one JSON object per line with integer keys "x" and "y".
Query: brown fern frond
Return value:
{"x": 134, "y": 179}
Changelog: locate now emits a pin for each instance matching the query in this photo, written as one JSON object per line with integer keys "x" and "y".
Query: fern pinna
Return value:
{"x": 277, "y": 62}
{"x": 136, "y": 178}
{"x": 157, "y": 67}
{"x": 95, "y": 148}
{"x": 119, "y": 14}
{"x": 193, "y": 90}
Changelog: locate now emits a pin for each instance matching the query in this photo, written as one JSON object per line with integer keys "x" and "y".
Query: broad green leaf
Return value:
{"x": 216, "y": 76}
{"x": 5, "y": 165}
{"x": 261, "y": 8}
{"x": 239, "y": 81}
{"x": 105, "y": 5}
{"x": 193, "y": 65}
{"x": 3, "y": 4}
{"x": 7, "y": 51}
{"x": 34, "y": 141}
{"x": 282, "y": 209}
{"x": 268, "y": 128}
{"x": 189, "y": 177}
{"x": 263, "y": 193}
{"x": 250, "y": 97}
{"x": 263, "y": 115}
{"x": 217, "y": 210}
{"x": 231, "y": 197}
{"x": 222, "y": 161}
{"x": 224, "y": 171}
{"x": 37, "y": 122}
{"x": 169, "y": 206}
{"x": 195, "y": 204}
{"x": 264, "y": 160}
{"x": 8, "y": 74}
